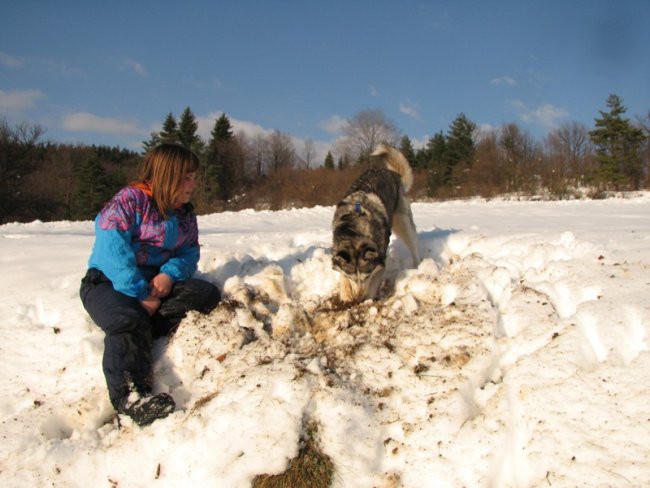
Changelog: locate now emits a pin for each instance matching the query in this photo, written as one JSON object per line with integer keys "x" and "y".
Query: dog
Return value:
{"x": 374, "y": 205}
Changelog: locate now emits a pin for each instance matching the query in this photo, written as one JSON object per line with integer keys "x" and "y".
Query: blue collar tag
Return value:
{"x": 357, "y": 207}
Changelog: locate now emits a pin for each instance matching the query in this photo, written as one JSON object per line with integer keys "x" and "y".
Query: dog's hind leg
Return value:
{"x": 404, "y": 228}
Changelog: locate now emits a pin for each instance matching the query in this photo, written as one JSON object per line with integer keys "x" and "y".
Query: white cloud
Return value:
{"x": 373, "y": 91}
{"x": 136, "y": 67}
{"x": 549, "y": 115}
{"x": 546, "y": 115}
{"x": 518, "y": 105}
{"x": 57, "y": 68}
{"x": 333, "y": 125}
{"x": 504, "y": 80}
{"x": 420, "y": 142}
{"x": 410, "y": 109}
{"x": 11, "y": 62}
{"x": 252, "y": 130}
{"x": 87, "y": 122}
{"x": 40, "y": 64}
{"x": 483, "y": 130}
{"x": 19, "y": 100}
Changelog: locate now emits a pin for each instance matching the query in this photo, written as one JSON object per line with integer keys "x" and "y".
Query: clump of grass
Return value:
{"x": 310, "y": 469}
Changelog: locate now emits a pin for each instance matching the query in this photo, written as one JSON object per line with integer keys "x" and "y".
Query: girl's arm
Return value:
{"x": 113, "y": 253}
{"x": 184, "y": 263}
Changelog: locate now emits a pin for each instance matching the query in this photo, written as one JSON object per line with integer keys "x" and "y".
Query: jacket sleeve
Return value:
{"x": 183, "y": 263}
{"x": 113, "y": 253}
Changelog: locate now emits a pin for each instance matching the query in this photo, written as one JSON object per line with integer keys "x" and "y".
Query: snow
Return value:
{"x": 515, "y": 355}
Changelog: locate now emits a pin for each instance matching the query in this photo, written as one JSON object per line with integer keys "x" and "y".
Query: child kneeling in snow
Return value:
{"x": 139, "y": 284}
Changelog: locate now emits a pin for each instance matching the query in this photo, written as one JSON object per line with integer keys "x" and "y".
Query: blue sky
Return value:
{"x": 109, "y": 72}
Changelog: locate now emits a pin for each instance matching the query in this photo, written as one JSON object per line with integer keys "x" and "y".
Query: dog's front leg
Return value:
{"x": 373, "y": 285}
{"x": 346, "y": 288}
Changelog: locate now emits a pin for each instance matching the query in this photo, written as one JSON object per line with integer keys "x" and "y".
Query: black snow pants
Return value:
{"x": 130, "y": 330}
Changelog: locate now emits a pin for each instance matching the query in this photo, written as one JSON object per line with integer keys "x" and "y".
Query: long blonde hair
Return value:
{"x": 163, "y": 169}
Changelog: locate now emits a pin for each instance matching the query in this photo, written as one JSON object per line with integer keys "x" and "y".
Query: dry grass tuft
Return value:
{"x": 310, "y": 469}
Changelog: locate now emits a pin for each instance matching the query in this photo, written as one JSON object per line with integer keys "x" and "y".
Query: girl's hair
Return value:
{"x": 163, "y": 169}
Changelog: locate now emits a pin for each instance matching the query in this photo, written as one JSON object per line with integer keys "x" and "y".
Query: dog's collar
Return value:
{"x": 357, "y": 207}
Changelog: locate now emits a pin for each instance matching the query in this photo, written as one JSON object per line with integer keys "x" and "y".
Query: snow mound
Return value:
{"x": 279, "y": 361}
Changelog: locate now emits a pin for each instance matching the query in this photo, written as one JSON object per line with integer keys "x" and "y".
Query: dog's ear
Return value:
{"x": 372, "y": 255}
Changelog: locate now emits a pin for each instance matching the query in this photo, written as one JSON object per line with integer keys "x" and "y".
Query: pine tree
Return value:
{"x": 436, "y": 152}
{"x": 187, "y": 132}
{"x": 460, "y": 145}
{"x": 329, "y": 161}
{"x": 91, "y": 189}
{"x": 406, "y": 148}
{"x": 153, "y": 141}
{"x": 223, "y": 163}
{"x": 222, "y": 130}
{"x": 618, "y": 146}
{"x": 169, "y": 132}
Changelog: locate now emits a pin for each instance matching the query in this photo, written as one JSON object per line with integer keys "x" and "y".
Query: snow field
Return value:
{"x": 513, "y": 356}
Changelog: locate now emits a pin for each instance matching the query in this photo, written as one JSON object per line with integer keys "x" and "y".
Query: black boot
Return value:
{"x": 147, "y": 408}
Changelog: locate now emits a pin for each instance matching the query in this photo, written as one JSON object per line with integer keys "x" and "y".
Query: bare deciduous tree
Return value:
{"x": 282, "y": 152}
{"x": 364, "y": 131}
{"x": 569, "y": 149}
{"x": 308, "y": 153}
{"x": 644, "y": 123}
{"x": 257, "y": 154}
{"x": 520, "y": 156}
{"x": 17, "y": 160}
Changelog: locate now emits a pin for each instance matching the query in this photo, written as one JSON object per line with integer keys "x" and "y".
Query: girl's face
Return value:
{"x": 187, "y": 188}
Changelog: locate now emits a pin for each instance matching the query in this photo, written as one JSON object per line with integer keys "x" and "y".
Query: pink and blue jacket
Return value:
{"x": 133, "y": 242}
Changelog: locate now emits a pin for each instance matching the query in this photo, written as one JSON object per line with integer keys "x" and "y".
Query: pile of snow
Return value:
{"x": 516, "y": 354}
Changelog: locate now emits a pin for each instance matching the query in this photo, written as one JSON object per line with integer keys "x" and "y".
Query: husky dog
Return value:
{"x": 374, "y": 204}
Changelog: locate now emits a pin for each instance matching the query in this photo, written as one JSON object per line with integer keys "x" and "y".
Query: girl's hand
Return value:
{"x": 150, "y": 304}
{"x": 160, "y": 285}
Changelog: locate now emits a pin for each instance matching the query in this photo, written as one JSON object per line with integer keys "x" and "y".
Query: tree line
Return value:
{"x": 50, "y": 181}
{"x": 613, "y": 155}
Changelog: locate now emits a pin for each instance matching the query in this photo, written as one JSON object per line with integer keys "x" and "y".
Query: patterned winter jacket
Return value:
{"x": 133, "y": 242}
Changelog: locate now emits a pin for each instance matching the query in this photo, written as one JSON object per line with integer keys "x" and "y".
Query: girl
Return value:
{"x": 139, "y": 283}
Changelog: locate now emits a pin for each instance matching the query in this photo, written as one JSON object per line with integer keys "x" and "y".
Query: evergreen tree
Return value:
{"x": 618, "y": 146}
{"x": 406, "y": 147}
{"x": 187, "y": 132}
{"x": 169, "y": 132}
{"x": 436, "y": 151}
{"x": 224, "y": 164}
{"x": 91, "y": 188}
{"x": 421, "y": 158}
{"x": 460, "y": 145}
{"x": 329, "y": 161}
{"x": 153, "y": 141}
{"x": 222, "y": 130}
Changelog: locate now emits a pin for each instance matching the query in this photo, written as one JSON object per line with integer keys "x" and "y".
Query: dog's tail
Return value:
{"x": 395, "y": 161}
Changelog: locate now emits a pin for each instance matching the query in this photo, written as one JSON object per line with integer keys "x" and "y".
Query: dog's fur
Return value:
{"x": 374, "y": 204}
